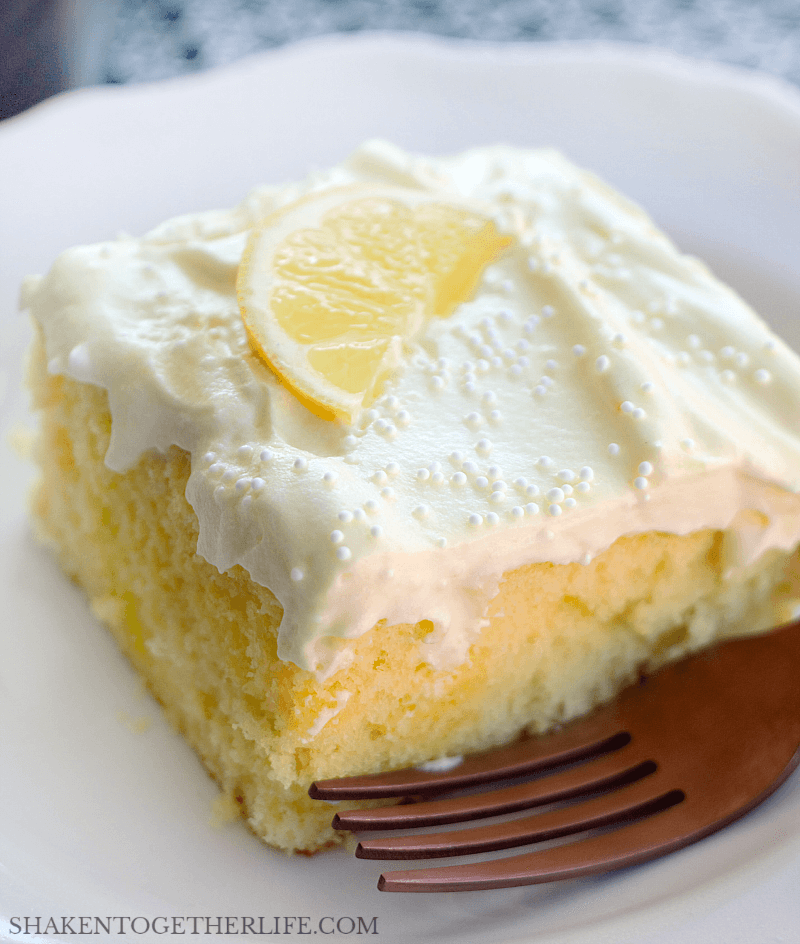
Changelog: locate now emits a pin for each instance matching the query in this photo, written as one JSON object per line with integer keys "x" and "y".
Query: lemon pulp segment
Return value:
{"x": 331, "y": 287}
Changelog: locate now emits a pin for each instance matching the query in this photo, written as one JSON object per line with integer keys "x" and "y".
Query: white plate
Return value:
{"x": 98, "y": 820}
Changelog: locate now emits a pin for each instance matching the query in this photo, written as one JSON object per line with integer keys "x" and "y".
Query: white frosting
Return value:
{"x": 598, "y": 384}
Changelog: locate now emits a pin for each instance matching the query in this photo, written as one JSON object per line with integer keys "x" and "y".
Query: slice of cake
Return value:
{"x": 400, "y": 461}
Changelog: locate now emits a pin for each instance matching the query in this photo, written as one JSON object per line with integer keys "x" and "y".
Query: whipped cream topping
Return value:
{"x": 597, "y": 384}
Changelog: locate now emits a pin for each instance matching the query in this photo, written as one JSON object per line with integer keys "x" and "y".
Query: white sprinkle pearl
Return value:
{"x": 459, "y": 479}
{"x": 300, "y": 465}
{"x": 762, "y": 376}
{"x": 492, "y": 518}
{"x": 80, "y": 362}
{"x": 421, "y": 511}
{"x": 371, "y": 506}
{"x": 518, "y": 511}
{"x": 613, "y": 449}
{"x": 626, "y": 406}
{"x": 639, "y": 414}
{"x": 554, "y": 510}
{"x": 687, "y": 444}
{"x": 475, "y": 521}
{"x": 257, "y": 484}
{"x": 555, "y": 495}
{"x": 602, "y": 363}
{"x": 548, "y": 311}
{"x": 296, "y": 574}
{"x": 583, "y": 487}
{"x": 376, "y": 531}
{"x": 570, "y": 503}
{"x": 329, "y": 478}
{"x": 388, "y": 493}
{"x": 578, "y": 350}
{"x": 343, "y": 553}
{"x": 482, "y": 482}
{"x": 229, "y": 475}
{"x": 497, "y": 497}
{"x": 336, "y": 537}
{"x": 392, "y": 468}
{"x": 345, "y": 516}
{"x": 640, "y": 482}
{"x": 566, "y": 475}
{"x": 484, "y": 447}
{"x": 586, "y": 473}
{"x": 242, "y": 484}
{"x": 645, "y": 468}
{"x": 350, "y": 441}
{"x": 266, "y": 455}
{"x": 244, "y": 453}
{"x": 423, "y": 475}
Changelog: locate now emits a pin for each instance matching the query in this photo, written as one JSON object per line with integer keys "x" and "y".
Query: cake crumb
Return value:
{"x": 224, "y": 810}
{"x": 20, "y": 438}
{"x": 135, "y": 725}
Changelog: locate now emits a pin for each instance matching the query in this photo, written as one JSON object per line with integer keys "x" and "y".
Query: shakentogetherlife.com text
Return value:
{"x": 133, "y": 927}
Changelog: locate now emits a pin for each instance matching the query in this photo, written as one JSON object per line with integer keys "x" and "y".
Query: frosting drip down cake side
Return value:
{"x": 568, "y": 459}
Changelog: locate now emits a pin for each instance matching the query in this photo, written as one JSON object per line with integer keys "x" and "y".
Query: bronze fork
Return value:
{"x": 676, "y": 757}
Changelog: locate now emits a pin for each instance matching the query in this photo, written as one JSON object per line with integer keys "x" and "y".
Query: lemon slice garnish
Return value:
{"x": 332, "y": 286}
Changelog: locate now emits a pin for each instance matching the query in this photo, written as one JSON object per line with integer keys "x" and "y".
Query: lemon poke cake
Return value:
{"x": 397, "y": 462}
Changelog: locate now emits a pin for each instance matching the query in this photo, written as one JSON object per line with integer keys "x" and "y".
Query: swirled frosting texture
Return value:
{"x": 599, "y": 383}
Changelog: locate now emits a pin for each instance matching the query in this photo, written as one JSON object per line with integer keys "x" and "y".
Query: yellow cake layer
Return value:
{"x": 561, "y": 638}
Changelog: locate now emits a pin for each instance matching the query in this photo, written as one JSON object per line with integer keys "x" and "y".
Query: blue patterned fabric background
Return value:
{"x": 151, "y": 39}
{"x": 48, "y": 45}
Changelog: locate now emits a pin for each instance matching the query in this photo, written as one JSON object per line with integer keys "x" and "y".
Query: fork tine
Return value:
{"x": 633, "y": 801}
{"x": 611, "y": 770}
{"x": 680, "y": 825}
{"x": 597, "y": 735}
